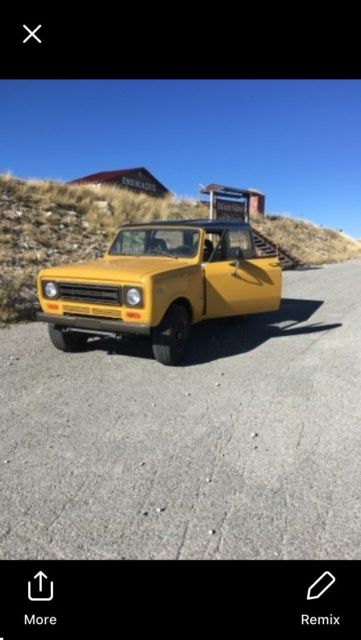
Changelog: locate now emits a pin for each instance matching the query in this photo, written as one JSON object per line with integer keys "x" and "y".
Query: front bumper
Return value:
{"x": 94, "y": 325}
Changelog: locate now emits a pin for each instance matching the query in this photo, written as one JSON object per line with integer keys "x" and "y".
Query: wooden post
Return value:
{"x": 247, "y": 216}
{"x": 211, "y": 205}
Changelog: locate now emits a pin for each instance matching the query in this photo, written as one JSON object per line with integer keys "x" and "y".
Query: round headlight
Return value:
{"x": 133, "y": 297}
{"x": 51, "y": 290}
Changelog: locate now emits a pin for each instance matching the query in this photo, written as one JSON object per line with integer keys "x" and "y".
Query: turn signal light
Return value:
{"x": 132, "y": 314}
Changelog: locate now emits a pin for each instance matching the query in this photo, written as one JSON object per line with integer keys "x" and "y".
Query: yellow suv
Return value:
{"x": 158, "y": 279}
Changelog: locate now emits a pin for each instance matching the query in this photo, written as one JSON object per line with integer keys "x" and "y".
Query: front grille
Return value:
{"x": 90, "y": 293}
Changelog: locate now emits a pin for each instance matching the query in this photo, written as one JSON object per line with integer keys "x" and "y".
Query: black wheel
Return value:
{"x": 170, "y": 337}
{"x": 66, "y": 341}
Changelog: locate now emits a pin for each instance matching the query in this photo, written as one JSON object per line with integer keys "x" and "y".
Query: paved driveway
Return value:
{"x": 252, "y": 449}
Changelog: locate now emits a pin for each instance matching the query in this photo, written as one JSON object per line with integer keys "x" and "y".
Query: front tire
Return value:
{"x": 66, "y": 341}
{"x": 171, "y": 336}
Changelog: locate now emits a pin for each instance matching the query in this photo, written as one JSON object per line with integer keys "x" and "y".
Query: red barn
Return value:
{"x": 138, "y": 179}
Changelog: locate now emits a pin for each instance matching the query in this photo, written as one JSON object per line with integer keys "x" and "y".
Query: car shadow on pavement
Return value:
{"x": 232, "y": 336}
{"x": 221, "y": 338}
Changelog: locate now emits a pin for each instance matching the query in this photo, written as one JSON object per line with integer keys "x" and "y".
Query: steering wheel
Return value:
{"x": 182, "y": 247}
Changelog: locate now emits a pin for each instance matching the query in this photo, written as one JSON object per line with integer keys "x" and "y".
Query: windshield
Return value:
{"x": 172, "y": 242}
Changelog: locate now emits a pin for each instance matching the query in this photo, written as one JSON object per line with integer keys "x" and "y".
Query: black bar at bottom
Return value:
{"x": 228, "y": 598}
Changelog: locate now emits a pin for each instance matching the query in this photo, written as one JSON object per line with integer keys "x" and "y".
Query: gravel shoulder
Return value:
{"x": 251, "y": 450}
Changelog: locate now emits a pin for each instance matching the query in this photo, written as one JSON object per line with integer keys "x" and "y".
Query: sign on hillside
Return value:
{"x": 231, "y": 203}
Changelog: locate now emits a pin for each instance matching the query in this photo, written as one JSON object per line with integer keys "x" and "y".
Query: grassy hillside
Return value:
{"x": 45, "y": 223}
{"x": 312, "y": 244}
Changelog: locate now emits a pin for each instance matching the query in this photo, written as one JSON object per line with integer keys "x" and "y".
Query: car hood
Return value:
{"x": 117, "y": 269}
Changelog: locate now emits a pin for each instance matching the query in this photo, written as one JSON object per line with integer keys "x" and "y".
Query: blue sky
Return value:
{"x": 299, "y": 141}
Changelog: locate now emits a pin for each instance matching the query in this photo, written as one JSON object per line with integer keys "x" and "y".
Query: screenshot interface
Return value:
{"x": 180, "y": 262}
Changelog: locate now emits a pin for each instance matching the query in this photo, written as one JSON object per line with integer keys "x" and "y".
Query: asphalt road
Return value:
{"x": 252, "y": 449}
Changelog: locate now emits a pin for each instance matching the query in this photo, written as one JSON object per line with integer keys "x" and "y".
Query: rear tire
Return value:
{"x": 66, "y": 341}
{"x": 171, "y": 336}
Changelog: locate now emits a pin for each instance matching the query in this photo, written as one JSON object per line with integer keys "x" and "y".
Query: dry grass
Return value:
{"x": 106, "y": 205}
{"x": 44, "y": 223}
{"x": 312, "y": 244}
{"x": 16, "y": 296}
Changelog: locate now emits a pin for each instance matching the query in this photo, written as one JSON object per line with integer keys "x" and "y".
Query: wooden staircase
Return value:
{"x": 266, "y": 247}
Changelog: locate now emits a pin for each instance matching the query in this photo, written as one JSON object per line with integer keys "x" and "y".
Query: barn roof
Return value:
{"x": 109, "y": 176}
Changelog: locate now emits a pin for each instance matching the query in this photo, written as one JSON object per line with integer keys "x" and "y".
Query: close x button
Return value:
{"x": 31, "y": 34}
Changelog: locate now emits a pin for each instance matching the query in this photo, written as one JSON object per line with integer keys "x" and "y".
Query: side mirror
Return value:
{"x": 238, "y": 257}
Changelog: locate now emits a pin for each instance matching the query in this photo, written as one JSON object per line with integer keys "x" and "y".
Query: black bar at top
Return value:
{"x": 144, "y": 44}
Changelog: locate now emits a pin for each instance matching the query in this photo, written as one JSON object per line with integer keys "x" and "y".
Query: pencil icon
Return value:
{"x": 320, "y": 585}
